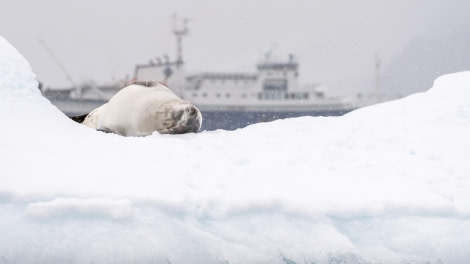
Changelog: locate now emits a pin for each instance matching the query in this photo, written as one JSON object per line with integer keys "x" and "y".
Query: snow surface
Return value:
{"x": 388, "y": 183}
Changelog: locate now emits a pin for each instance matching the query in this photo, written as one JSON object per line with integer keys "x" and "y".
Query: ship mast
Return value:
{"x": 377, "y": 78}
{"x": 180, "y": 30}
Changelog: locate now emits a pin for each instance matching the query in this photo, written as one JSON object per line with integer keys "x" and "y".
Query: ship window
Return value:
{"x": 275, "y": 85}
{"x": 217, "y": 95}
{"x": 204, "y": 95}
{"x": 227, "y": 95}
{"x": 194, "y": 94}
{"x": 264, "y": 96}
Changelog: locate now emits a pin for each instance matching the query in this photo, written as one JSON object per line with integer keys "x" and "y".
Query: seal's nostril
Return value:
{"x": 192, "y": 111}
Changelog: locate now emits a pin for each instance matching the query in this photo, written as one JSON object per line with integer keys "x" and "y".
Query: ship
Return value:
{"x": 226, "y": 100}
{"x": 234, "y": 100}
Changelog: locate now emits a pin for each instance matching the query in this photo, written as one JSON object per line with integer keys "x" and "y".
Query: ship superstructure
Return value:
{"x": 273, "y": 87}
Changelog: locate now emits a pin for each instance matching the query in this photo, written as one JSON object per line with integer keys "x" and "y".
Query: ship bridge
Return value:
{"x": 278, "y": 66}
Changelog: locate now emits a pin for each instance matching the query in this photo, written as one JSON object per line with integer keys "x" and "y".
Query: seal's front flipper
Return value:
{"x": 106, "y": 130}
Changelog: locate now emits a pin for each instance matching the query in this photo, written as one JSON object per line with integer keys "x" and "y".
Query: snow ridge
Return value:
{"x": 384, "y": 184}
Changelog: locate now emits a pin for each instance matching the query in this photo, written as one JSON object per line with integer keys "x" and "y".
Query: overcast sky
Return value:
{"x": 335, "y": 40}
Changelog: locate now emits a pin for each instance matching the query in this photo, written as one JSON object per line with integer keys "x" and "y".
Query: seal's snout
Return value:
{"x": 190, "y": 120}
{"x": 193, "y": 119}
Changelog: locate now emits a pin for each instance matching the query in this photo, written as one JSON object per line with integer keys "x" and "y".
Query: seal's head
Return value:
{"x": 183, "y": 118}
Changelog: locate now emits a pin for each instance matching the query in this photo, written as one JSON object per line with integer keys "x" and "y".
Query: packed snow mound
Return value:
{"x": 383, "y": 184}
{"x": 15, "y": 72}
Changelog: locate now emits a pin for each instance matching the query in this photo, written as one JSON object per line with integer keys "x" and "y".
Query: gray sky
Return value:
{"x": 335, "y": 40}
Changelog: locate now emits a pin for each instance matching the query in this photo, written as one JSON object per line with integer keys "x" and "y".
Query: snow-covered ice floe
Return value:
{"x": 383, "y": 184}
